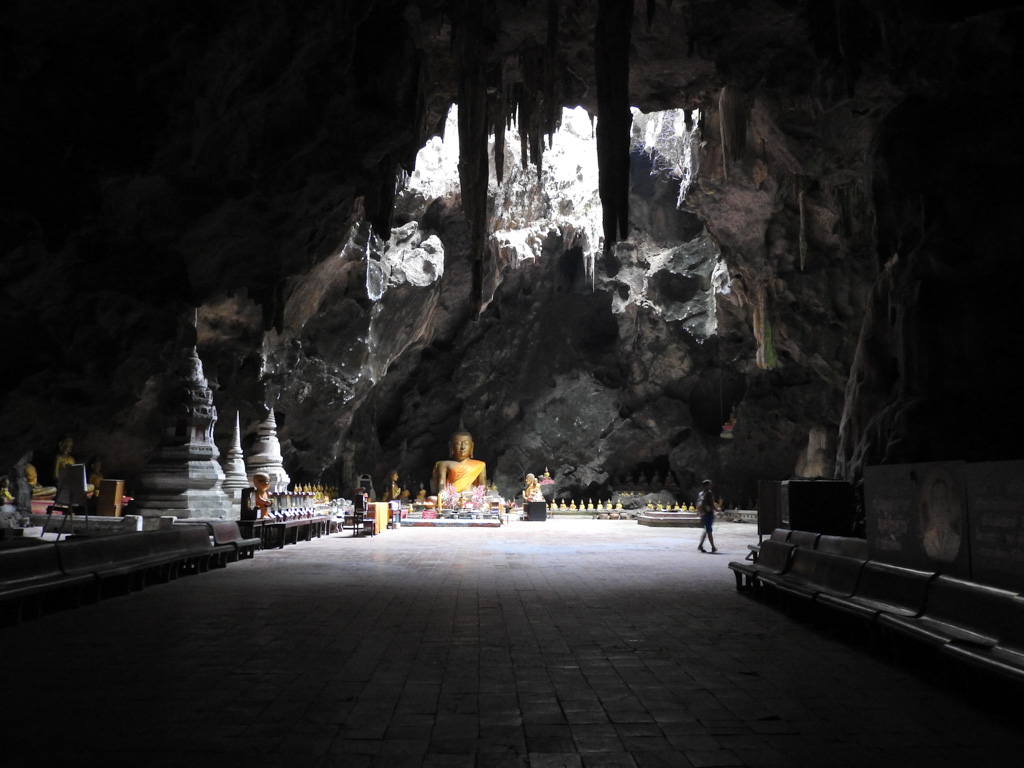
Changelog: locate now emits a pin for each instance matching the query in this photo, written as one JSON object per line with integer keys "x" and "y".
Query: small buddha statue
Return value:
{"x": 532, "y": 491}
{"x": 95, "y": 475}
{"x": 422, "y": 495}
{"x": 64, "y": 457}
{"x": 391, "y": 489}
{"x": 38, "y": 491}
{"x": 563, "y": 506}
{"x": 261, "y": 499}
{"x": 462, "y": 470}
{"x": 618, "y": 506}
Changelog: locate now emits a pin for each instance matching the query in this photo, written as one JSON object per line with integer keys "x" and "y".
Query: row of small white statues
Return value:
{"x": 600, "y": 505}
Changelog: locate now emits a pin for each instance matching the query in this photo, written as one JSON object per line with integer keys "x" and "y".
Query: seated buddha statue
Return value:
{"x": 95, "y": 476}
{"x": 261, "y": 498}
{"x": 38, "y": 491}
{"x": 391, "y": 489}
{"x": 532, "y": 491}
{"x": 461, "y": 470}
{"x": 64, "y": 457}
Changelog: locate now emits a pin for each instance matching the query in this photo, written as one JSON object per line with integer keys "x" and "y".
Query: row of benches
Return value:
{"x": 272, "y": 532}
{"x": 973, "y": 623}
{"x": 37, "y": 575}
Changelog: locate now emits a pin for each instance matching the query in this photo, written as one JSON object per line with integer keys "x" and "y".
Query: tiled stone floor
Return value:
{"x": 574, "y": 643}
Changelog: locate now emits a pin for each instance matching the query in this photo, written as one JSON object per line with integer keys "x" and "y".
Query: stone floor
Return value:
{"x": 575, "y": 643}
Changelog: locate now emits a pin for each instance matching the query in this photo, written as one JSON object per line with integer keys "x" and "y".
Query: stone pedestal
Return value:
{"x": 265, "y": 456}
{"x": 182, "y": 477}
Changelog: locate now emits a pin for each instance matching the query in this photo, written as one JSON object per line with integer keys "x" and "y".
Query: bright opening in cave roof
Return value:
{"x": 564, "y": 199}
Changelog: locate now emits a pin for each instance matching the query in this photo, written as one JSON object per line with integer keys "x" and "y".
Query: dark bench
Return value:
{"x": 229, "y": 546}
{"x": 1006, "y": 657}
{"x": 296, "y": 529}
{"x": 843, "y": 545}
{"x": 127, "y": 561}
{"x": 779, "y": 534}
{"x": 956, "y": 611}
{"x": 806, "y": 539}
{"x": 814, "y": 573}
{"x": 29, "y": 576}
{"x": 883, "y": 588}
{"x": 773, "y": 558}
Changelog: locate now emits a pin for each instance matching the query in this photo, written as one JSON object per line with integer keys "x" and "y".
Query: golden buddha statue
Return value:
{"x": 422, "y": 494}
{"x": 391, "y": 489}
{"x": 64, "y": 457}
{"x": 95, "y": 475}
{"x": 462, "y": 470}
{"x": 38, "y": 491}
{"x": 532, "y": 491}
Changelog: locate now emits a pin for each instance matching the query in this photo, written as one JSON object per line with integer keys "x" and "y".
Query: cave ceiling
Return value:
{"x": 841, "y": 271}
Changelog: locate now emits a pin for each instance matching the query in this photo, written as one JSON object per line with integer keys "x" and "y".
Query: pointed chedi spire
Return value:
{"x": 235, "y": 479}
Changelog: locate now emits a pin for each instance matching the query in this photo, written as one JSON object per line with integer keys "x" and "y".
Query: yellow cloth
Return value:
{"x": 465, "y": 473}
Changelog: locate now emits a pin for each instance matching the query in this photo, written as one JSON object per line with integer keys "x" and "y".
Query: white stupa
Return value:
{"x": 235, "y": 479}
{"x": 265, "y": 456}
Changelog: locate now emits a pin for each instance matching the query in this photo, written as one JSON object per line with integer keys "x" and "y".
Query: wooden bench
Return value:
{"x": 843, "y": 545}
{"x": 805, "y": 539}
{"x": 814, "y": 573}
{"x": 779, "y": 534}
{"x": 883, "y": 588}
{"x": 30, "y": 577}
{"x": 127, "y": 561}
{"x": 773, "y": 558}
{"x": 956, "y": 611}
{"x": 1006, "y": 658}
{"x": 229, "y": 546}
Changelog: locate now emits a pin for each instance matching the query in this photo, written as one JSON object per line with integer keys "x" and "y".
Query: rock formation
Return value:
{"x": 839, "y": 250}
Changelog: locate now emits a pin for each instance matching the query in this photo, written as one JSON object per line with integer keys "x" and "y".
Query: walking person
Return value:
{"x": 706, "y": 507}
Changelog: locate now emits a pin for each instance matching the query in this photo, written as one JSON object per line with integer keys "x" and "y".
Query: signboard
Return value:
{"x": 995, "y": 503}
{"x": 916, "y": 516}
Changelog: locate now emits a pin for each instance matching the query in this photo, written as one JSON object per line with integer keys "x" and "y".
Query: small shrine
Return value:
{"x": 265, "y": 456}
{"x": 728, "y": 427}
{"x": 182, "y": 476}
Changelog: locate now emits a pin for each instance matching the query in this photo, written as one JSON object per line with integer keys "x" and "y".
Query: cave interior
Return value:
{"x": 823, "y": 239}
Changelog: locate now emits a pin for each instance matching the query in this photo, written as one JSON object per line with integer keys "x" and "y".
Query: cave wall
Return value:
{"x": 167, "y": 161}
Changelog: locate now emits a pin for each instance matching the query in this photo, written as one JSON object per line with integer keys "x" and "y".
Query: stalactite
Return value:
{"x": 765, "y": 357}
{"x": 612, "y": 41}
{"x": 498, "y": 120}
{"x": 732, "y": 120}
{"x": 552, "y": 103}
{"x": 803, "y": 229}
{"x": 379, "y": 201}
{"x": 469, "y": 36}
